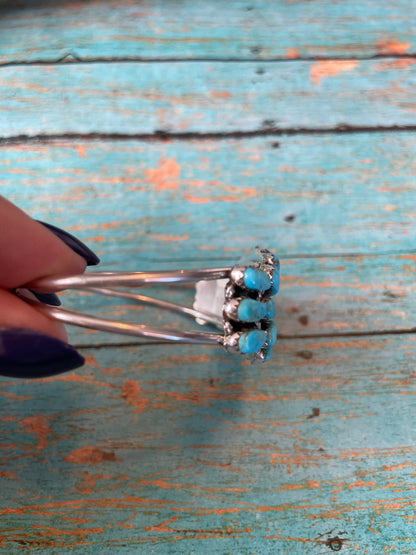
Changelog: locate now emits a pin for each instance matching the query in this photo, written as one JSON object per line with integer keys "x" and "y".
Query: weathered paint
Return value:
{"x": 140, "y": 97}
{"x": 216, "y": 29}
{"x": 315, "y": 194}
{"x": 187, "y": 449}
{"x": 222, "y": 454}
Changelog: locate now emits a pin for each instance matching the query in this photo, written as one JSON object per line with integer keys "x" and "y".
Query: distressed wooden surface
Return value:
{"x": 207, "y": 97}
{"x": 212, "y": 199}
{"x": 189, "y": 450}
{"x": 200, "y": 205}
{"x": 193, "y": 452}
{"x": 187, "y": 29}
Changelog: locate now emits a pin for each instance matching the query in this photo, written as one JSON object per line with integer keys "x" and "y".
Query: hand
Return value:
{"x": 32, "y": 345}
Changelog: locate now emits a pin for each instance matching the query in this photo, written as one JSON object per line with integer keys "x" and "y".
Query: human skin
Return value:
{"x": 28, "y": 251}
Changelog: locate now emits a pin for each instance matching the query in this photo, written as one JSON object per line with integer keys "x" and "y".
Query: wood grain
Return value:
{"x": 150, "y": 202}
{"x": 207, "y": 97}
{"x": 169, "y": 449}
{"x": 33, "y": 30}
{"x": 183, "y": 207}
{"x": 192, "y": 451}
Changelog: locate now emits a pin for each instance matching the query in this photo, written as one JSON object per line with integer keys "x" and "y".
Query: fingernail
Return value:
{"x": 47, "y": 298}
{"x": 73, "y": 243}
{"x": 26, "y": 353}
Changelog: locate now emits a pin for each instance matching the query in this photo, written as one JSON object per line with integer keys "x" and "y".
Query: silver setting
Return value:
{"x": 237, "y": 275}
{"x": 231, "y": 309}
{"x": 230, "y": 343}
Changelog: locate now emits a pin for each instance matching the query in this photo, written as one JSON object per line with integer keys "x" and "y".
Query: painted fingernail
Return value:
{"x": 73, "y": 243}
{"x": 26, "y": 353}
{"x": 47, "y": 298}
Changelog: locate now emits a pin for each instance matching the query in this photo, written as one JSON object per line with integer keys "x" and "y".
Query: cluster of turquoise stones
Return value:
{"x": 249, "y": 306}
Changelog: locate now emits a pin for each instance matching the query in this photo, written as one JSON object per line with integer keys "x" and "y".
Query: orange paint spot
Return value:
{"x": 245, "y": 192}
{"x": 220, "y": 465}
{"x": 195, "y": 183}
{"x": 360, "y": 484}
{"x": 220, "y": 94}
{"x": 206, "y": 248}
{"x": 390, "y": 208}
{"x": 288, "y": 169}
{"x": 392, "y": 47}
{"x": 228, "y": 198}
{"x": 292, "y": 53}
{"x": 90, "y": 360}
{"x": 165, "y": 176}
{"x": 403, "y": 63}
{"x": 117, "y": 502}
{"x": 398, "y": 466}
{"x": 72, "y": 377}
{"x": 10, "y": 474}
{"x": 77, "y": 520}
{"x": 48, "y": 530}
{"x": 168, "y": 485}
{"x": 110, "y": 225}
{"x": 330, "y": 68}
{"x": 81, "y": 151}
{"x": 37, "y": 425}
{"x": 132, "y": 394}
{"x": 196, "y": 200}
{"x": 87, "y": 484}
{"x": 411, "y": 257}
{"x": 14, "y": 396}
{"x": 173, "y": 238}
{"x": 91, "y": 455}
{"x": 162, "y": 526}
{"x": 97, "y": 239}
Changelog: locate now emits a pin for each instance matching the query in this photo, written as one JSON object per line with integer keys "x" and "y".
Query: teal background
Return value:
{"x": 179, "y": 135}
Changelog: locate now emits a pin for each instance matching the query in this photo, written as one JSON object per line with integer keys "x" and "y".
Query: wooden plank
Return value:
{"x": 190, "y": 451}
{"x": 164, "y": 205}
{"x": 152, "y": 202}
{"x": 207, "y": 97}
{"x": 33, "y": 31}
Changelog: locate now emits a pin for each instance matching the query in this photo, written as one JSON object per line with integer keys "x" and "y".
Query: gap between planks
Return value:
{"x": 71, "y": 58}
{"x": 161, "y": 135}
{"x": 295, "y": 337}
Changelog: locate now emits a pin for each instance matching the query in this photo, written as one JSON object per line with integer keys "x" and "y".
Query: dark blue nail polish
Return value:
{"x": 73, "y": 243}
{"x": 26, "y": 353}
{"x": 47, "y": 298}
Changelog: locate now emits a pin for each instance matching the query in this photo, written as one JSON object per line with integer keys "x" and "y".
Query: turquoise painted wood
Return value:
{"x": 149, "y": 202}
{"x": 33, "y": 31}
{"x": 207, "y": 97}
{"x": 189, "y": 450}
{"x": 192, "y": 452}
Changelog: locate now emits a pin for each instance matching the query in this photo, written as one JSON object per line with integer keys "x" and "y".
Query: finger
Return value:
{"x": 16, "y": 313}
{"x": 28, "y": 250}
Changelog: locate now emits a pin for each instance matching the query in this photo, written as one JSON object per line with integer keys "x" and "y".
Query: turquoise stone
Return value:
{"x": 270, "y": 309}
{"x": 256, "y": 279}
{"x": 271, "y": 334}
{"x": 268, "y": 353}
{"x": 250, "y": 310}
{"x": 275, "y": 282}
{"x": 252, "y": 341}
